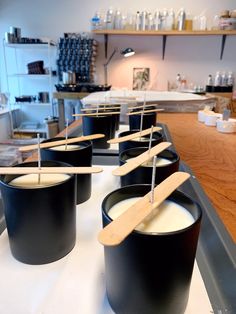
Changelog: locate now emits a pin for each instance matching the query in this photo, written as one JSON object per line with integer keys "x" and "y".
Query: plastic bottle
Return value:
{"x": 96, "y": 22}
{"x": 117, "y": 19}
{"x": 210, "y": 80}
{"x": 230, "y": 79}
{"x": 178, "y": 81}
{"x": 110, "y": 19}
{"x": 157, "y": 21}
{"x": 224, "y": 79}
{"x": 143, "y": 20}
{"x": 218, "y": 79}
{"x": 164, "y": 19}
{"x": 137, "y": 21}
{"x": 149, "y": 22}
{"x": 170, "y": 20}
{"x": 181, "y": 20}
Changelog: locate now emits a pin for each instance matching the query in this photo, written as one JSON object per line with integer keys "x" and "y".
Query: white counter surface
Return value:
{"x": 150, "y": 96}
{"x": 75, "y": 283}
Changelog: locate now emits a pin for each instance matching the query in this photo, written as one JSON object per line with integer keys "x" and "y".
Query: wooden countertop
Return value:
{"x": 212, "y": 157}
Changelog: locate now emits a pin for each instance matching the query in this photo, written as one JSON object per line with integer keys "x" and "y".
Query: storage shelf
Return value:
{"x": 161, "y": 33}
{"x": 30, "y": 75}
{"x": 30, "y": 46}
{"x": 164, "y": 34}
{"x": 24, "y": 130}
{"x": 32, "y": 103}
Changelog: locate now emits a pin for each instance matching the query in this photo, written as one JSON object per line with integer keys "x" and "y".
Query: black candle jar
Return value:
{"x": 149, "y": 119}
{"x": 81, "y": 157}
{"x": 156, "y": 139}
{"x": 149, "y": 272}
{"x": 97, "y": 125}
{"x": 41, "y": 221}
{"x": 142, "y": 174}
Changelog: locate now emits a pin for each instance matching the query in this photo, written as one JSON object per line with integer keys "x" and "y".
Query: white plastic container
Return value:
{"x": 226, "y": 126}
{"x": 202, "y": 114}
{"x": 210, "y": 119}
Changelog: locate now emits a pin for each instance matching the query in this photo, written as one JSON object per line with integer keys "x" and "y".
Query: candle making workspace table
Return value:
{"x": 76, "y": 283}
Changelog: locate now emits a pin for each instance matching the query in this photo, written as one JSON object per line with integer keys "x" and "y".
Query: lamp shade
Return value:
{"x": 127, "y": 52}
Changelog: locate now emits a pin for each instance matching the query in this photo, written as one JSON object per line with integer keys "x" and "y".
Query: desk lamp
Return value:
{"x": 127, "y": 52}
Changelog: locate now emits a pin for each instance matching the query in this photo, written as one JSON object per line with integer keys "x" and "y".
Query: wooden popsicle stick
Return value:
{"x": 122, "y": 226}
{"x": 100, "y": 108}
{"x": 140, "y": 159}
{"x": 146, "y": 106}
{"x": 134, "y": 135}
{"x": 95, "y": 114}
{"x": 123, "y": 97}
{"x": 143, "y": 111}
{"x": 61, "y": 142}
{"x": 28, "y": 170}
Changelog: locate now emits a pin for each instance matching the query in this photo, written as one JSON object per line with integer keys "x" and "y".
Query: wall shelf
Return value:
{"x": 164, "y": 34}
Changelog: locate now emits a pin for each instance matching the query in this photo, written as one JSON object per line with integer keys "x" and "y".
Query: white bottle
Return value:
{"x": 218, "y": 79}
{"x": 137, "y": 21}
{"x": 181, "y": 20}
{"x": 170, "y": 20}
{"x": 178, "y": 81}
{"x": 230, "y": 79}
{"x": 224, "y": 79}
{"x": 117, "y": 19}
{"x": 157, "y": 21}
{"x": 164, "y": 19}
{"x": 143, "y": 21}
{"x": 110, "y": 19}
{"x": 210, "y": 80}
{"x": 149, "y": 22}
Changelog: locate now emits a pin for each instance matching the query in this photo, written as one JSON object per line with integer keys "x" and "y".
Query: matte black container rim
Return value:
{"x": 14, "y": 187}
{"x": 145, "y": 148}
{"x": 161, "y": 234}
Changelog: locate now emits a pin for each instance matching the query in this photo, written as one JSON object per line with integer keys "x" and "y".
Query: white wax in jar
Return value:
{"x": 168, "y": 217}
{"x": 159, "y": 162}
{"x": 32, "y": 180}
{"x": 65, "y": 148}
{"x": 141, "y": 139}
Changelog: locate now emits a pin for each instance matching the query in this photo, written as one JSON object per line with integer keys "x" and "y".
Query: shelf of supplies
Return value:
{"x": 24, "y": 130}
{"x": 30, "y": 46}
{"x": 30, "y": 75}
{"x": 32, "y": 103}
{"x": 164, "y": 34}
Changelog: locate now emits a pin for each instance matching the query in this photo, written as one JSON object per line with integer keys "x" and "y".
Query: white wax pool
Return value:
{"x": 159, "y": 162}
{"x": 168, "y": 217}
{"x": 31, "y": 180}
{"x": 63, "y": 147}
{"x": 141, "y": 139}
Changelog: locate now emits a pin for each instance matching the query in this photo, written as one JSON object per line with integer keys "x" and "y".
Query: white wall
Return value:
{"x": 196, "y": 57}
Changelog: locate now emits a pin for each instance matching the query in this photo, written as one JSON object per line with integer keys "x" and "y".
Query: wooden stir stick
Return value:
{"x": 37, "y": 170}
{"x": 61, "y": 142}
{"x": 146, "y": 111}
{"x": 95, "y": 114}
{"x": 122, "y": 226}
{"x": 133, "y": 135}
{"x": 140, "y": 159}
{"x": 141, "y": 106}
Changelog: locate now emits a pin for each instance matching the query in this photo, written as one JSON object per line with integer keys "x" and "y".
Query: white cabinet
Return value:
{"x": 21, "y": 82}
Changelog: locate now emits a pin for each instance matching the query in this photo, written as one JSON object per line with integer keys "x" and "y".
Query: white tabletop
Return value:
{"x": 149, "y": 96}
{"x": 74, "y": 284}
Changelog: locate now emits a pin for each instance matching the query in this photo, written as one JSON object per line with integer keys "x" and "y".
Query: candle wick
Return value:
{"x": 141, "y": 121}
{"x": 150, "y": 141}
{"x": 39, "y": 157}
{"x": 67, "y": 123}
{"x": 153, "y": 179}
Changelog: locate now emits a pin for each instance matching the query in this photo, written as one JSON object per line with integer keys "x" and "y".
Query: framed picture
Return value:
{"x": 141, "y": 77}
